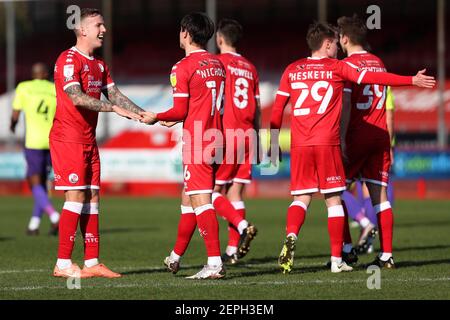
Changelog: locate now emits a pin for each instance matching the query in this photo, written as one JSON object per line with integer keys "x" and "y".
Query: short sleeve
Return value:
{"x": 107, "y": 80}
{"x": 19, "y": 98}
{"x": 284, "y": 88}
{"x": 68, "y": 70}
{"x": 179, "y": 80}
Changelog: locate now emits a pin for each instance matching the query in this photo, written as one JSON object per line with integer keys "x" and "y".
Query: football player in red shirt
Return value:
{"x": 241, "y": 123}
{"x": 367, "y": 140}
{"x": 198, "y": 82}
{"x": 315, "y": 87}
{"x": 80, "y": 78}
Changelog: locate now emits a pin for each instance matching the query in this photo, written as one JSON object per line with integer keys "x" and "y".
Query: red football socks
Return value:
{"x": 336, "y": 221}
{"x": 295, "y": 217}
{"x": 68, "y": 225}
{"x": 225, "y": 209}
{"x": 186, "y": 228}
{"x": 89, "y": 230}
{"x": 208, "y": 228}
{"x": 385, "y": 219}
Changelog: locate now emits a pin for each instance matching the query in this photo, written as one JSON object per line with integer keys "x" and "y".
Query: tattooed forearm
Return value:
{"x": 118, "y": 98}
{"x": 81, "y": 99}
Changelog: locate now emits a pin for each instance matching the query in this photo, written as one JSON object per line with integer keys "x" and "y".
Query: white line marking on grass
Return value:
{"x": 24, "y": 271}
{"x": 200, "y": 283}
{"x": 163, "y": 268}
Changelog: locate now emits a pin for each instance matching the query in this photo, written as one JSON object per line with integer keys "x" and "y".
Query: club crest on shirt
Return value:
{"x": 101, "y": 67}
{"x": 68, "y": 70}
{"x": 73, "y": 178}
{"x": 173, "y": 79}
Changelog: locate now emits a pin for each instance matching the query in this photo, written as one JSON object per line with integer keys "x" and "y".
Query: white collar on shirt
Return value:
{"x": 86, "y": 56}
{"x": 357, "y": 52}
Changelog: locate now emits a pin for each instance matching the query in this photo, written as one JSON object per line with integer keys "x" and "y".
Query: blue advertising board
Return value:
{"x": 426, "y": 165}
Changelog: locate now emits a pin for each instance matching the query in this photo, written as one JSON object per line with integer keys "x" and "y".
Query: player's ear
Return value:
{"x": 344, "y": 39}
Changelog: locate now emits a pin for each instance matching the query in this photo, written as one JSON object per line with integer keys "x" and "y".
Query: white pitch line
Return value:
{"x": 193, "y": 283}
{"x": 162, "y": 268}
{"x": 24, "y": 271}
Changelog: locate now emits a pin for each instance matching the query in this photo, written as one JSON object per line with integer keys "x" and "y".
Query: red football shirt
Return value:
{"x": 368, "y": 103}
{"x": 198, "y": 82}
{"x": 315, "y": 88}
{"x": 241, "y": 91}
{"x": 71, "y": 123}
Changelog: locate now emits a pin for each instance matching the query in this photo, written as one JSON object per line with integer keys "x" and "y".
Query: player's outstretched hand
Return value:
{"x": 126, "y": 113}
{"x": 168, "y": 124}
{"x": 148, "y": 117}
{"x": 423, "y": 81}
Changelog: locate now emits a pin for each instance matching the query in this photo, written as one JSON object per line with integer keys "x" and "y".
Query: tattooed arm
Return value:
{"x": 114, "y": 95}
{"x": 80, "y": 99}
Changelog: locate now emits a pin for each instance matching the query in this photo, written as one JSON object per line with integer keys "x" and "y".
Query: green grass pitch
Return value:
{"x": 137, "y": 233}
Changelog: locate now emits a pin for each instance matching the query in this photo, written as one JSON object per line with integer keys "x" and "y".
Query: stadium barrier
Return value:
{"x": 145, "y": 160}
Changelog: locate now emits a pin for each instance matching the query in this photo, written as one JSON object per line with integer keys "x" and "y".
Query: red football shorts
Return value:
{"x": 199, "y": 178}
{"x": 316, "y": 168}
{"x": 76, "y": 165}
{"x": 369, "y": 161}
{"x": 199, "y": 170}
{"x": 237, "y": 164}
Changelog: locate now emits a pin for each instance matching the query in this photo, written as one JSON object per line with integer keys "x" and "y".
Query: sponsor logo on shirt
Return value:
{"x": 203, "y": 63}
{"x": 68, "y": 70}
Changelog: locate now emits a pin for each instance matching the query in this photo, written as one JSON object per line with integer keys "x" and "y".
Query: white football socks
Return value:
{"x": 54, "y": 217}
{"x": 91, "y": 262}
{"x": 242, "y": 225}
{"x": 63, "y": 263}
{"x": 214, "y": 261}
{"x": 293, "y": 235}
{"x": 364, "y": 222}
{"x": 338, "y": 260}
{"x": 34, "y": 223}
{"x": 231, "y": 250}
{"x": 174, "y": 256}
{"x": 385, "y": 256}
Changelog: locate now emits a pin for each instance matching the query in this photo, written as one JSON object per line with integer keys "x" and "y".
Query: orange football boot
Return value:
{"x": 100, "y": 270}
